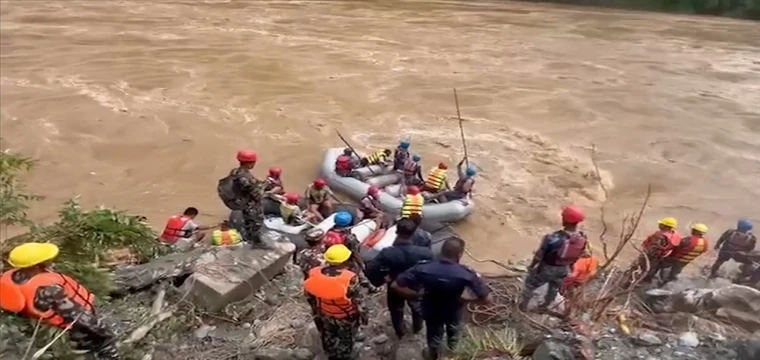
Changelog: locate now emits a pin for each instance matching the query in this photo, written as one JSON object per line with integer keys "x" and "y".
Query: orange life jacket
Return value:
{"x": 696, "y": 246}
{"x": 661, "y": 243}
{"x": 436, "y": 178}
{"x": 412, "y": 205}
{"x": 331, "y": 292}
{"x": 19, "y": 298}
{"x": 583, "y": 269}
{"x": 173, "y": 229}
{"x": 411, "y": 168}
{"x": 343, "y": 165}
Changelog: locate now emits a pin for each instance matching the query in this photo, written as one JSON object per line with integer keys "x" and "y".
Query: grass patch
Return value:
{"x": 483, "y": 343}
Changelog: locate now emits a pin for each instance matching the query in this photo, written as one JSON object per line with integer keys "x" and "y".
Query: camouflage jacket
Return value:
{"x": 310, "y": 258}
{"x": 252, "y": 189}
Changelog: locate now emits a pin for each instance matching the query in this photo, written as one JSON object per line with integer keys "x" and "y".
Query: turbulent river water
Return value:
{"x": 142, "y": 104}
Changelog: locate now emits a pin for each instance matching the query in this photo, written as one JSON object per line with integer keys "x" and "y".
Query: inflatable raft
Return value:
{"x": 384, "y": 238}
{"x": 381, "y": 176}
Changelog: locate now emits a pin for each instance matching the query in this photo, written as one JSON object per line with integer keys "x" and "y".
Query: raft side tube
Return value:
{"x": 447, "y": 212}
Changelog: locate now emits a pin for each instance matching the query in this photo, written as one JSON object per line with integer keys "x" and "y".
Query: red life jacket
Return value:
{"x": 411, "y": 168}
{"x": 343, "y": 165}
{"x": 173, "y": 229}
{"x": 334, "y": 238}
{"x": 696, "y": 246}
{"x": 571, "y": 249}
{"x": 661, "y": 243}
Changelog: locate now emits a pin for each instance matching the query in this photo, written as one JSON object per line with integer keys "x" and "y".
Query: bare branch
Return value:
{"x": 598, "y": 176}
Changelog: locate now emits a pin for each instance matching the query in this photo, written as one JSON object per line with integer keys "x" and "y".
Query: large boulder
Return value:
{"x": 735, "y": 303}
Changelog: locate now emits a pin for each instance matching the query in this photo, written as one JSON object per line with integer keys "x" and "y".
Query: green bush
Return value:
{"x": 14, "y": 201}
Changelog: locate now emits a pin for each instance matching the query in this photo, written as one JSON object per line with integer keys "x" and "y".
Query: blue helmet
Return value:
{"x": 471, "y": 171}
{"x": 416, "y": 158}
{"x": 744, "y": 225}
{"x": 404, "y": 145}
{"x": 343, "y": 219}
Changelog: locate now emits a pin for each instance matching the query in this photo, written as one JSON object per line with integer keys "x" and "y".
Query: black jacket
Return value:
{"x": 395, "y": 260}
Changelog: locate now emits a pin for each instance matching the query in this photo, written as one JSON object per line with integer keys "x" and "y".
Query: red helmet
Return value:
{"x": 413, "y": 190}
{"x": 442, "y": 166}
{"x": 572, "y": 214}
{"x": 291, "y": 198}
{"x": 319, "y": 183}
{"x": 246, "y": 156}
{"x": 275, "y": 172}
{"x": 373, "y": 190}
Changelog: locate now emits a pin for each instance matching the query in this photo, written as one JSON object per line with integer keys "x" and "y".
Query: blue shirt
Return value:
{"x": 444, "y": 281}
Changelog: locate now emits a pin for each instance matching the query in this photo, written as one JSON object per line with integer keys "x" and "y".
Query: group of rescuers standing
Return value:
{"x": 432, "y": 287}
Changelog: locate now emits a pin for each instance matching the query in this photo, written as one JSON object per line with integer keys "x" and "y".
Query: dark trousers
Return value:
{"x": 439, "y": 325}
{"x": 670, "y": 269}
{"x": 723, "y": 256}
{"x": 396, "y": 304}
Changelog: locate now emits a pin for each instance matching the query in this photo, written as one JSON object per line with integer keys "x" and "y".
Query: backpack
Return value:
{"x": 227, "y": 189}
{"x": 571, "y": 249}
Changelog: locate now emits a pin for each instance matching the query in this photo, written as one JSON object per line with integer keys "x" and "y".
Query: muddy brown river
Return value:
{"x": 141, "y": 105}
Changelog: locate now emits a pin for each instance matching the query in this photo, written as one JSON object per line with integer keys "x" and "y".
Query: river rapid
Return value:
{"x": 141, "y": 105}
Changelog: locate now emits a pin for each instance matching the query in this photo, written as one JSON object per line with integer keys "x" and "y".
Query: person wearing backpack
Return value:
{"x": 241, "y": 191}
{"x": 551, "y": 263}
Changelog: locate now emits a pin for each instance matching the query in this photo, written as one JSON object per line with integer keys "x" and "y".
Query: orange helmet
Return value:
{"x": 291, "y": 198}
{"x": 413, "y": 190}
{"x": 247, "y": 156}
{"x": 275, "y": 172}
{"x": 572, "y": 214}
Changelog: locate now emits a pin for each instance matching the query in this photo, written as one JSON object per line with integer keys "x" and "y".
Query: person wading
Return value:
{"x": 335, "y": 292}
{"x": 688, "y": 249}
{"x": 734, "y": 244}
{"x": 463, "y": 186}
{"x": 33, "y": 290}
{"x": 240, "y": 190}
{"x": 389, "y": 264}
{"x": 551, "y": 263}
{"x": 441, "y": 283}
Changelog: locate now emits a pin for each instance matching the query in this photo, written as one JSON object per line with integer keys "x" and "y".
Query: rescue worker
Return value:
{"x": 369, "y": 206}
{"x": 688, "y": 249}
{"x": 380, "y": 157}
{"x": 441, "y": 284}
{"x": 334, "y": 290}
{"x": 389, "y": 264}
{"x": 412, "y": 171}
{"x": 582, "y": 271}
{"x": 33, "y": 290}
{"x": 421, "y": 237}
{"x": 225, "y": 235}
{"x": 240, "y": 190}
{"x": 658, "y": 246}
{"x": 732, "y": 244}
{"x": 463, "y": 186}
{"x": 274, "y": 182}
{"x": 401, "y": 155}
{"x": 413, "y": 203}
{"x": 182, "y": 231}
{"x": 319, "y": 198}
{"x": 437, "y": 180}
{"x": 310, "y": 258}
{"x": 346, "y": 163}
{"x": 551, "y": 263}
{"x": 291, "y": 213}
{"x": 341, "y": 234}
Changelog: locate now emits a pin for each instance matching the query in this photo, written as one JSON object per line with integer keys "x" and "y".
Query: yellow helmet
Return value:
{"x": 669, "y": 222}
{"x": 700, "y": 227}
{"x": 337, "y": 254}
{"x": 31, "y": 254}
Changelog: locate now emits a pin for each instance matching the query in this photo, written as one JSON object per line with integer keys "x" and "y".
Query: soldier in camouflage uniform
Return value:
{"x": 251, "y": 197}
{"x": 58, "y": 299}
{"x": 309, "y": 258}
{"x": 344, "y": 312}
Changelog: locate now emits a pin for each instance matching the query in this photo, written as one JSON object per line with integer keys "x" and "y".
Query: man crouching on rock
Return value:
{"x": 33, "y": 290}
{"x": 336, "y": 294}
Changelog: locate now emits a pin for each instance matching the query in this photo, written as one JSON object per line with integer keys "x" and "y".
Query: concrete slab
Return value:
{"x": 226, "y": 275}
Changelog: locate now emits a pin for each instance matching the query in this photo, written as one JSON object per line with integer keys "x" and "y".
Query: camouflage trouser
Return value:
{"x": 544, "y": 274}
{"x": 253, "y": 220}
{"x": 338, "y": 337}
{"x": 99, "y": 347}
